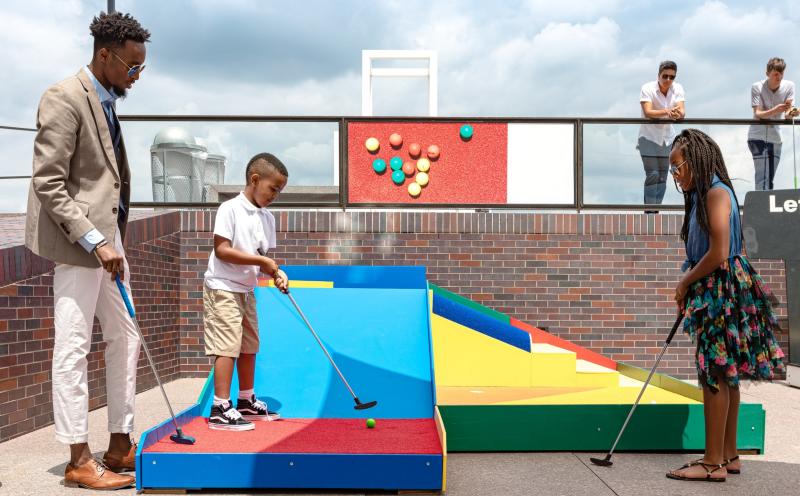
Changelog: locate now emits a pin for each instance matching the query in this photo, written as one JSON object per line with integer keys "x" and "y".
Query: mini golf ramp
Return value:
{"x": 375, "y": 323}
{"x": 503, "y": 385}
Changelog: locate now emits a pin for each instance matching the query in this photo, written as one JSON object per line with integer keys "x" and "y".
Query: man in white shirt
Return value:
{"x": 771, "y": 99}
{"x": 660, "y": 99}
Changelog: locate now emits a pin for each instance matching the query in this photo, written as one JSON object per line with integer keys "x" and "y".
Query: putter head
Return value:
{"x": 602, "y": 462}
{"x": 181, "y": 438}
{"x": 364, "y": 406}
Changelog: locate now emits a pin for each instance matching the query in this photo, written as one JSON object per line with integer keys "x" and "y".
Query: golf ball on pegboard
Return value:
{"x": 396, "y": 140}
{"x": 379, "y": 165}
{"x": 396, "y": 163}
{"x": 409, "y": 168}
{"x": 466, "y": 132}
{"x": 414, "y": 189}
{"x": 398, "y": 177}
{"x": 414, "y": 150}
{"x": 422, "y": 178}
{"x": 372, "y": 144}
{"x": 423, "y": 165}
{"x": 433, "y": 152}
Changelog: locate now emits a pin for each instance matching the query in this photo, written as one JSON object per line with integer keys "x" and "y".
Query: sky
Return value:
{"x": 530, "y": 58}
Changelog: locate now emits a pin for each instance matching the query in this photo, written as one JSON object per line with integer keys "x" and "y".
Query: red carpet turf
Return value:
{"x": 341, "y": 436}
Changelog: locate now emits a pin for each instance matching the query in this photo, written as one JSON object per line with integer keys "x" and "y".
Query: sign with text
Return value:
{"x": 771, "y": 229}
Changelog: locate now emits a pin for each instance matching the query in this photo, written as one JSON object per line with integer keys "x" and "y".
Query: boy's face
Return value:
{"x": 267, "y": 187}
{"x": 775, "y": 78}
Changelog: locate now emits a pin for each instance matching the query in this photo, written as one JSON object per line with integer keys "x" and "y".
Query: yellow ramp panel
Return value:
{"x": 592, "y": 374}
{"x": 624, "y": 394}
{"x": 465, "y": 357}
{"x": 552, "y": 366}
{"x": 298, "y": 284}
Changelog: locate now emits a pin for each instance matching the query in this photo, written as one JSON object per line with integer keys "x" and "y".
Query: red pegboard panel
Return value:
{"x": 471, "y": 171}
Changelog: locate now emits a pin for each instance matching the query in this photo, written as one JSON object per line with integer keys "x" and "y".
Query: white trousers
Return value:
{"x": 80, "y": 294}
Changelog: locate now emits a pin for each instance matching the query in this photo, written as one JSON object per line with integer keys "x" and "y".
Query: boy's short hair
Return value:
{"x": 264, "y": 159}
{"x": 667, "y": 65}
{"x": 776, "y": 64}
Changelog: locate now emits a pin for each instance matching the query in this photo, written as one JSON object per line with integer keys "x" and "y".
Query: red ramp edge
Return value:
{"x": 540, "y": 336}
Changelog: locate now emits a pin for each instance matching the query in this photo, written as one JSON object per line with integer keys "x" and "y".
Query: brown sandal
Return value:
{"x": 732, "y": 470}
{"x": 708, "y": 478}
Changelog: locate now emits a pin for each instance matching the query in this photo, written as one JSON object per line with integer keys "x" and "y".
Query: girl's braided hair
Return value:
{"x": 704, "y": 159}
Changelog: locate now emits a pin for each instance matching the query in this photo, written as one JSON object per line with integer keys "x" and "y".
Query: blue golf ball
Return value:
{"x": 396, "y": 163}
{"x": 466, "y": 131}
{"x": 398, "y": 177}
{"x": 379, "y": 165}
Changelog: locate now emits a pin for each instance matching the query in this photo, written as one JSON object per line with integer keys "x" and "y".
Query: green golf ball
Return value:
{"x": 370, "y": 423}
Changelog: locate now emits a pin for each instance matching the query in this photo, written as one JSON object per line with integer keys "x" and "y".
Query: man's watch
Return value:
{"x": 101, "y": 243}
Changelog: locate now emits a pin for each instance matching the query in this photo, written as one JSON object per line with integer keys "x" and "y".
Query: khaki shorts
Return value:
{"x": 230, "y": 322}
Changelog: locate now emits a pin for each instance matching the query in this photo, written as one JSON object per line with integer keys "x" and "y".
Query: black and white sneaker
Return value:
{"x": 225, "y": 418}
{"x": 255, "y": 409}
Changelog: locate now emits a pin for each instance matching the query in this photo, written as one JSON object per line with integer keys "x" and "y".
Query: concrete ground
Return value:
{"x": 34, "y": 464}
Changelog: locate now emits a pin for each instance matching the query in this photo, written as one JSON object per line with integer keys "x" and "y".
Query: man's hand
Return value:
{"x": 111, "y": 261}
{"x": 783, "y": 107}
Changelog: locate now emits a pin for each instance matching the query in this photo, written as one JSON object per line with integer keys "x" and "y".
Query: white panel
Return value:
{"x": 540, "y": 163}
{"x": 336, "y": 157}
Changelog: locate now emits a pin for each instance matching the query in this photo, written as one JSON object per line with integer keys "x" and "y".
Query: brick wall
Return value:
{"x": 26, "y": 325}
{"x": 603, "y": 281}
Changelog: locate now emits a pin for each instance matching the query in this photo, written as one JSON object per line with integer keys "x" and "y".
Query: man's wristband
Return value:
{"x": 100, "y": 244}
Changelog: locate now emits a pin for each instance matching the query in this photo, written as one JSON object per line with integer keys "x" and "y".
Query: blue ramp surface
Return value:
{"x": 378, "y": 337}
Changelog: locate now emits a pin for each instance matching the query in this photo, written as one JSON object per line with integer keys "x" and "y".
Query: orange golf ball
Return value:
{"x": 396, "y": 140}
{"x": 408, "y": 168}
{"x": 414, "y": 149}
{"x": 433, "y": 152}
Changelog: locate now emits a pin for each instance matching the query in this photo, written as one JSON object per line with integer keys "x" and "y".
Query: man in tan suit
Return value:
{"x": 77, "y": 214}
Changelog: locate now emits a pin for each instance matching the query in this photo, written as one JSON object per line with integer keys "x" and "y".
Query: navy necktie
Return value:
{"x": 113, "y": 127}
{"x": 116, "y": 134}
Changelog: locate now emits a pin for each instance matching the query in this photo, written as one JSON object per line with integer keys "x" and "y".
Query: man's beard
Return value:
{"x": 120, "y": 92}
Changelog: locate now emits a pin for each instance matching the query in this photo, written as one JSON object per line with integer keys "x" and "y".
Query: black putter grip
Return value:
{"x": 674, "y": 328}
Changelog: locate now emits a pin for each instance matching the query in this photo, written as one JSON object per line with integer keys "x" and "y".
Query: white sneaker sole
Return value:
{"x": 262, "y": 418}
{"x": 223, "y": 427}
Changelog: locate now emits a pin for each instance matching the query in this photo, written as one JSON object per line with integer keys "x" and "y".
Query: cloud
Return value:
{"x": 523, "y": 58}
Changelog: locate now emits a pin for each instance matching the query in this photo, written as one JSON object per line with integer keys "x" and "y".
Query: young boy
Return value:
{"x": 243, "y": 227}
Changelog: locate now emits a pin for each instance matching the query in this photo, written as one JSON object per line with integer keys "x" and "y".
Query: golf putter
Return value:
{"x": 606, "y": 462}
{"x": 359, "y": 404}
{"x": 179, "y": 437}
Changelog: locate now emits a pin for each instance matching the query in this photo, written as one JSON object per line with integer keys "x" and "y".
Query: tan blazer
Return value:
{"x": 76, "y": 183}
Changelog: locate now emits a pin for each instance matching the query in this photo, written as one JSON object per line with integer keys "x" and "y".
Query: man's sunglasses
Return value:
{"x": 132, "y": 71}
{"x": 668, "y": 76}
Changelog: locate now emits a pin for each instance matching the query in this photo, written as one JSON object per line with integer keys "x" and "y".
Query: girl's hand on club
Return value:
{"x": 680, "y": 295}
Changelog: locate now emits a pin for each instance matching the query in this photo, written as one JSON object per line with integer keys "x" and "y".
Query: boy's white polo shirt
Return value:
{"x": 248, "y": 228}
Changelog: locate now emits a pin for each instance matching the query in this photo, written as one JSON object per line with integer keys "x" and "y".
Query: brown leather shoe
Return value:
{"x": 121, "y": 463}
{"x": 94, "y": 475}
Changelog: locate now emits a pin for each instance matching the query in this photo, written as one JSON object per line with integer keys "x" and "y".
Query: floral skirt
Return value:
{"x": 729, "y": 314}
